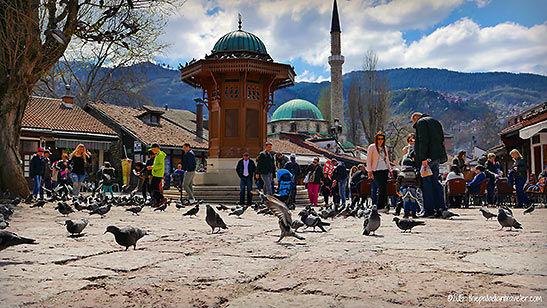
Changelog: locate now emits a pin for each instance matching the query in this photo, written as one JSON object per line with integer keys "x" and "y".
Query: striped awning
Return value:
{"x": 89, "y": 144}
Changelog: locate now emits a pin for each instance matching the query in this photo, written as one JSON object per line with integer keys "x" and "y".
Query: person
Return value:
{"x": 475, "y": 185}
{"x": 178, "y": 175}
{"x": 63, "y": 172}
{"x": 48, "y": 169}
{"x": 189, "y": 167}
{"x": 408, "y": 150}
{"x": 107, "y": 175}
{"x": 429, "y": 151}
{"x": 245, "y": 170}
{"x": 340, "y": 181}
{"x": 517, "y": 177}
{"x": 355, "y": 181}
{"x": 78, "y": 158}
{"x": 138, "y": 170}
{"x": 36, "y": 171}
{"x": 492, "y": 171}
{"x": 326, "y": 187}
{"x": 294, "y": 169}
{"x": 146, "y": 188}
{"x": 455, "y": 173}
{"x": 315, "y": 174}
{"x": 157, "y": 171}
{"x": 265, "y": 168}
{"x": 408, "y": 183}
{"x": 280, "y": 160}
{"x": 379, "y": 168}
{"x": 459, "y": 161}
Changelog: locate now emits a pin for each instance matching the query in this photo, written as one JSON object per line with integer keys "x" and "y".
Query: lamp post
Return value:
{"x": 336, "y": 128}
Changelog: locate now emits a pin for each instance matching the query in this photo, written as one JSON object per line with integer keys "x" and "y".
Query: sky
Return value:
{"x": 460, "y": 35}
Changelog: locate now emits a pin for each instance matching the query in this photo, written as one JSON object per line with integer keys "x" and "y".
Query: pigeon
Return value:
{"x": 16, "y": 201}
{"x": 214, "y": 220}
{"x": 238, "y": 211}
{"x": 77, "y": 205}
{"x": 297, "y": 223}
{"x": 102, "y": 210}
{"x": 507, "y": 210}
{"x": 283, "y": 214}
{"x": 487, "y": 214}
{"x": 222, "y": 207}
{"x": 407, "y": 224}
{"x": 8, "y": 239}
{"x": 6, "y": 211}
{"x": 193, "y": 211}
{"x": 40, "y": 203}
{"x": 179, "y": 205}
{"x": 127, "y": 236}
{"x": 64, "y": 208}
{"x": 507, "y": 220}
{"x": 29, "y": 198}
{"x": 312, "y": 221}
{"x": 529, "y": 209}
{"x": 446, "y": 214}
{"x": 162, "y": 208}
{"x": 3, "y": 224}
{"x": 372, "y": 222}
{"x": 135, "y": 210}
{"x": 75, "y": 226}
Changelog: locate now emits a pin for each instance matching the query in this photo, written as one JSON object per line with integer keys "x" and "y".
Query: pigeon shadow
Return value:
{"x": 76, "y": 235}
{"x": 14, "y": 263}
{"x": 462, "y": 219}
{"x": 377, "y": 235}
{"x": 287, "y": 245}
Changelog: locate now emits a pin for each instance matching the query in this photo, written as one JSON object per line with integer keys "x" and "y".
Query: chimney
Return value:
{"x": 199, "y": 119}
{"x": 68, "y": 100}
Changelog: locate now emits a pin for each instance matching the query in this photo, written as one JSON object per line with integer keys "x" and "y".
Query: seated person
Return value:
{"x": 475, "y": 185}
{"x": 455, "y": 173}
{"x": 355, "y": 182}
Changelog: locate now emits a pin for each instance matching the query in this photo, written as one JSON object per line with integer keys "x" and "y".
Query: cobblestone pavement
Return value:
{"x": 181, "y": 264}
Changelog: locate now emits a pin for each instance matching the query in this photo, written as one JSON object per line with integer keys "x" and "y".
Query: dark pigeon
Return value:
{"x": 8, "y": 239}
{"x": 222, "y": 207}
{"x": 283, "y": 214}
{"x": 39, "y": 203}
{"x": 6, "y": 211}
{"x": 407, "y": 224}
{"x": 102, "y": 210}
{"x": 312, "y": 221}
{"x": 214, "y": 220}
{"x": 16, "y": 201}
{"x": 161, "y": 208}
{"x": 3, "y": 224}
{"x": 64, "y": 208}
{"x": 77, "y": 205}
{"x": 372, "y": 222}
{"x": 238, "y": 211}
{"x": 446, "y": 214}
{"x": 127, "y": 236}
{"x": 75, "y": 226}
{"x": 134, "y": 209}
{"x": 29, "y": 198}
{"x": 487, "y": 214}
{"x": 529, "y": 209}
{"x": 193, "y": 211}
{"x": 506, "y": 220}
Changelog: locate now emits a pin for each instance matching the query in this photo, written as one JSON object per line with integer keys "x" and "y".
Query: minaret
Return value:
{"x": 335, "y": 61}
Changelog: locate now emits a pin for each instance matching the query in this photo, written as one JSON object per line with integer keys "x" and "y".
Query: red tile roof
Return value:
{"x": 524, "y": 124}
{"x": 167, "y": 134}
{"x": 50, "y": 114}
{"x": 286, "y": 146}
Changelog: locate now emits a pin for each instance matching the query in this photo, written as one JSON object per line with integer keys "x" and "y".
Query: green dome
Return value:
{"x": 297, "y": 109}
{"x": 240, "y": 40}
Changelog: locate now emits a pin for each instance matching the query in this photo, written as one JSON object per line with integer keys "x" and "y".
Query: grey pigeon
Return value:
{"x": 179, "y": 205}
{"x": 506, "y": 220}
{"x": 296, "y": 224}
{"x": 127, "y": 236}
{"x": 3, "y": 224}
{"x": 507, "y": 210}
{"x": 6, "y": 211}
{"x": 135, "y": 209}
{"x": 222, "y": 207}
{"x": 529, "y": 209}
{"x": 283, "y": 214}
{"x": 193, "y": 211}
{"x": 39, "y": 203}
{"x": 77, "y": 205}
{"x": 75, "y": 226}
{"x": 487, "y": 214}
{"x": 64, "y": 208}
{"x": 407, "y": 224}
{"x": 446, "y": 214}
{"x": 312, "y": 221}
{"x": 102, "y": 210}
{"x": 16, "y": 201}
{"x": 162, "y": 208}
{"x": 8, "y": 239}
{"x": 372, "y": 222}
{"x": 238, "y": 211}
{"x": 214, "y": 220}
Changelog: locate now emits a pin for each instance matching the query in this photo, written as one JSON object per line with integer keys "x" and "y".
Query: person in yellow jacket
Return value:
{"x": 158, "y": 171}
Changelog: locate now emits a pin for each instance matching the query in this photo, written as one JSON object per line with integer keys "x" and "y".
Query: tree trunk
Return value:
{"x": 11, "y": 173}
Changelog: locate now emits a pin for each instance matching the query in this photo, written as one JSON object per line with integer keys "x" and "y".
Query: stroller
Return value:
{"x": 285, "y": 188}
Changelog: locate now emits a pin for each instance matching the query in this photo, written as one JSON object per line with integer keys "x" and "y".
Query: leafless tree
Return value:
{"x": 353, "y": 124}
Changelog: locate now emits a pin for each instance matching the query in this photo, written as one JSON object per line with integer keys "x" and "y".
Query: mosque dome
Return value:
{"x": 239, "y": 40}
{"x": 297, "y": 109}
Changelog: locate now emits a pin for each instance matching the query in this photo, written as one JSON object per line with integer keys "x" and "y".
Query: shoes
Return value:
{"x": 438, "y": 214}
{"x": 425, "y": 215}
{"x": 414, "y": 215}
{"x": 406, "y": 215}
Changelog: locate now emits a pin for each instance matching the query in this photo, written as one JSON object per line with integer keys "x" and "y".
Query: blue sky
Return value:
{"x": 462, "y": 35}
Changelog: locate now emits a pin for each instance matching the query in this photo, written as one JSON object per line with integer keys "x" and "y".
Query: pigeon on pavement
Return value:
{"x": 283, "y": 214}
{"x": 127, "y": 236}
{"x": 238, "y": 211}
{"x": 162, "y": 208}
{"x": 3, "y": 224}
{"x": 407, "y": 224}
{"x": 312, "y": 221}
{"x": 529, "y": 209}
{"x": 296, "y": 224}
{"x": 8, "y": 239}
{"x": 64, "y": 208}
{"x": 372, "y": 222}
{"x": 135, "y": 209}
{"x": 214, "y": 220}
{"x": 193, "y": 211}
{"x": 75, "y": 226}
{"x": 446, "y": 214}
{"x": 506, "y": 220}
{"x": 487, "y": 214}
{"x": 16, "y": 201}
{"x": 102, "y": 210}
{"x": 39, "y": 203}
{"x": 222, "y": 207}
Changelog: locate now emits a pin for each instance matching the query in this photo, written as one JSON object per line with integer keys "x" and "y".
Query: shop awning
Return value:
{"x": 89, "y": 144}
{"x": 528, "y": 132}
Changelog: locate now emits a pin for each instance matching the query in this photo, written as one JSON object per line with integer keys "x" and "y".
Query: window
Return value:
{"x": 293, "y": 127}
{"x": 317, "y": 128}
{"x": 273, "y": 128}
{"x": 154, "y": 119}
{"x": 253, "y": 92}
{"x": 232, "y": 123}
{"x": 251, "y": 127}
{"x": 231, "y": 92}
{"x": 535, "y": 139}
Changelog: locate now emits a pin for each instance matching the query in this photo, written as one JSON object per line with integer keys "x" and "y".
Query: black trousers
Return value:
{"x": 145, "y": 187}
{"x": 155, "y": 187}
{"x": 380, "y": 178}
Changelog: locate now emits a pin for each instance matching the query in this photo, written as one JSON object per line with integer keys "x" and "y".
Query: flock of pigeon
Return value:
{"x": 268, "y": 205}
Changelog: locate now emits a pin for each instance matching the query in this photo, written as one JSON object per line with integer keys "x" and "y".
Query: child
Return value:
{"x": 107, "y": 176}
{"x": 408, "y": 182}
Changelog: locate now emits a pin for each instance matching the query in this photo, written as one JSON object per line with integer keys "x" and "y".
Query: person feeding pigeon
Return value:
{"x": 78, "y": 158}
{"x": 408, "y": 182}
{"x": 107, "y": 175}
{"x": 158, "y": 170}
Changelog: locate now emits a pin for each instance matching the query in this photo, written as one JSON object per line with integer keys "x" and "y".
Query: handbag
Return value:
{"x": 307, "y": 178}
{"x": 425, "y": 171}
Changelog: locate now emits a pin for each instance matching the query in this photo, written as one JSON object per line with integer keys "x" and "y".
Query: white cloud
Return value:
{"x": 307, "y": 76}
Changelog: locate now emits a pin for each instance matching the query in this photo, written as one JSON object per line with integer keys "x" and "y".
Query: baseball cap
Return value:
{"x": 293, "y": 155}
{"x": 40, "y": 150}
{"x": 154, "y": 145}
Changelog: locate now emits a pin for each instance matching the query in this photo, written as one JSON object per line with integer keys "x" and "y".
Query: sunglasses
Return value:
{"x": 381, "y": 138}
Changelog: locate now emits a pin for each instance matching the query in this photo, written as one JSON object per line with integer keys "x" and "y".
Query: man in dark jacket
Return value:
{"x": 492, "y": 171}
{"x": 37, "y": 169}
{"x": 48, "y": 169}
{"x": 429, "y": 151}
{"x": 189, "y": 167}
{"x": 265, "y": 168}
{"x": 245, "y": 170}
{"x": 340, "y": 180}
{"x": 280, "y": 160}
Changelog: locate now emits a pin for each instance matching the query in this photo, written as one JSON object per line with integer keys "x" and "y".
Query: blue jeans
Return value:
{"x": 374, "y": 192}
{"x": 409, "y": 202}
{"x": 522, "y": 198}
{"x": 77, "y": 180}
{"x": 342, "y": 185}
{"x": 490, "y": 191}
{"x": 37, "y": 186}
{"x": 268, "y": 183}
{"x": 245, "y": 183}
{"x": 433, "y": 191}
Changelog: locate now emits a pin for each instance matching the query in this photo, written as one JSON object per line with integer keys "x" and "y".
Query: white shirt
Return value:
{"x": 381, "y": 160}
{"x": 246, "y": 167}
{"x": 452, "y": 175}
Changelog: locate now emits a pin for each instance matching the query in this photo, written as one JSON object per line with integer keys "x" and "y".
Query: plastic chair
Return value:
{"x": 504, "y": 192}
{"x": 455, "y": 188}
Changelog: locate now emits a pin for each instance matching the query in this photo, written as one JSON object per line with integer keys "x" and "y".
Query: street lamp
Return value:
{"x": 336, "y": 128}
{"x": 58, "y": 35}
